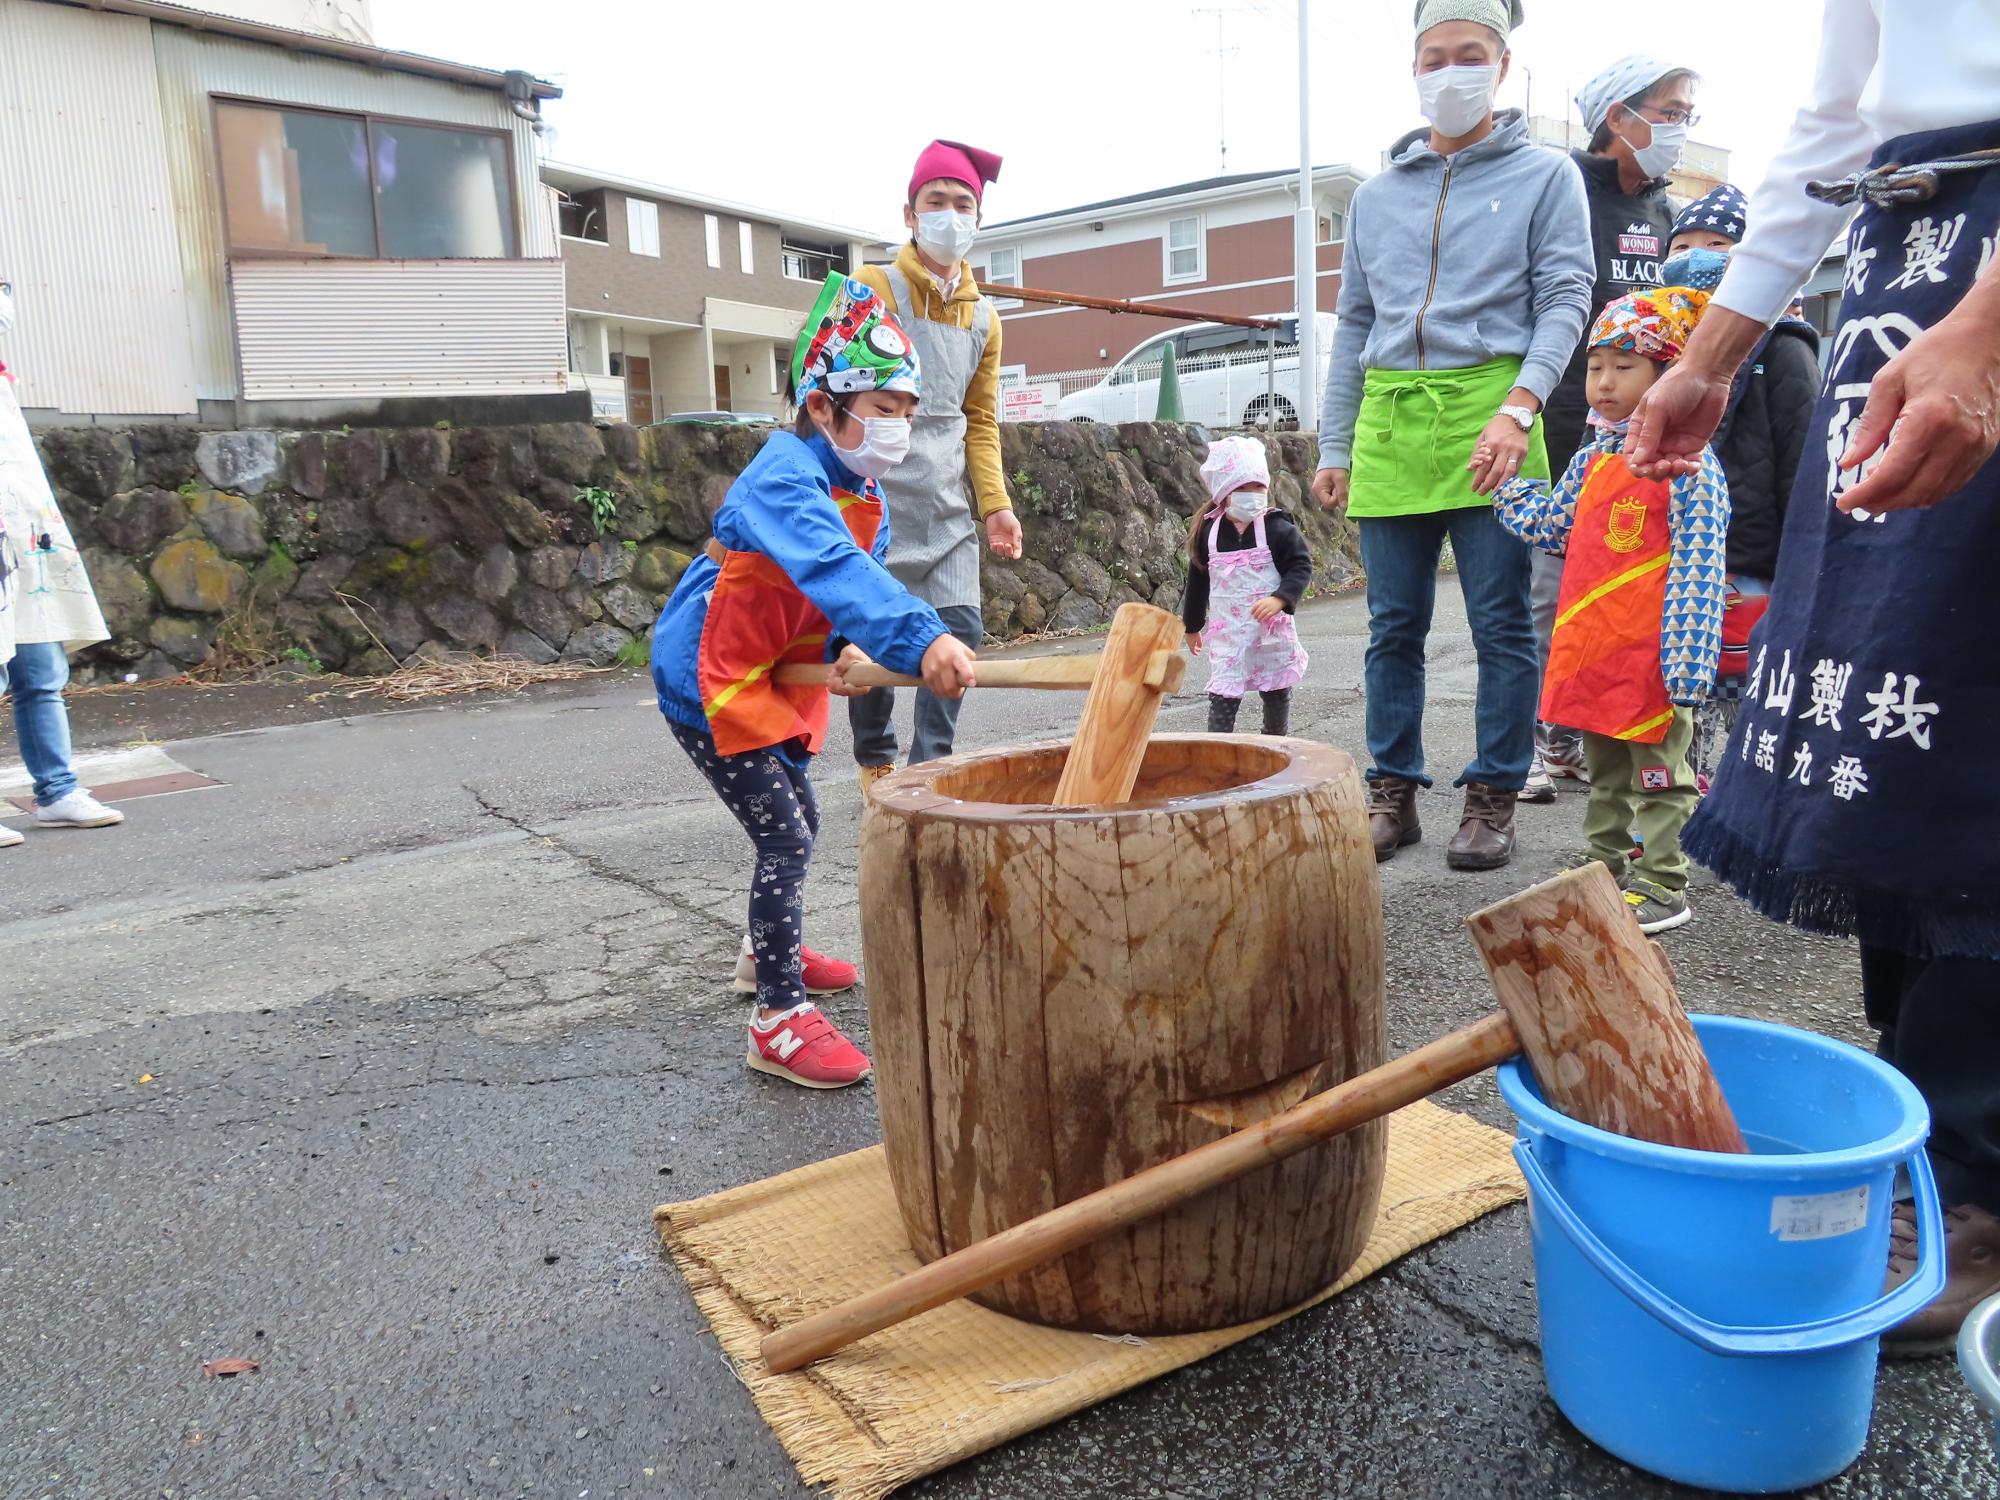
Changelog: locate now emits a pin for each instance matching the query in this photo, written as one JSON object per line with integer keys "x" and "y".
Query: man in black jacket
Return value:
{"x": 1638, "y": 111}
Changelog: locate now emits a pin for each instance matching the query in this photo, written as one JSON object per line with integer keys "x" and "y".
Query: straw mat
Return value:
{"x": 958, "y": 1380}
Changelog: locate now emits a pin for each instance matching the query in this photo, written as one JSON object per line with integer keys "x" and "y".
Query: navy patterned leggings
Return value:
{"x": 774, "y": 802}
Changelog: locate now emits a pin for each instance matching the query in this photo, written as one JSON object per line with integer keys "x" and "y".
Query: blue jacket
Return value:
{"x": 1697, "y": 576}
{"x": 782, "y": 506}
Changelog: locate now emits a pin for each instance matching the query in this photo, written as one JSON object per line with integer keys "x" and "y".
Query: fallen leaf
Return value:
{"x": 145, "y": 1078}
{"x": 224, "y": 1368}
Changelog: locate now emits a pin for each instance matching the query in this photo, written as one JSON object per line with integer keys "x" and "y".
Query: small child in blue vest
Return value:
{"x": 793, "y": 576}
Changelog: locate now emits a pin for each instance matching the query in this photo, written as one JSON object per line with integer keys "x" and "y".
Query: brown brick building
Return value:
{"x": 1222, "y": 245}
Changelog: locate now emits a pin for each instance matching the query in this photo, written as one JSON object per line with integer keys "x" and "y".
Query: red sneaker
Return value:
{"x": 822, "y": 975}
{"x": 804, "y": 1046}
{"x": 826, "y": 976}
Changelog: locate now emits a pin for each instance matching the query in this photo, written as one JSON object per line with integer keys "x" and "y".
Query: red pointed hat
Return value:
{"x": 958, "y": 162}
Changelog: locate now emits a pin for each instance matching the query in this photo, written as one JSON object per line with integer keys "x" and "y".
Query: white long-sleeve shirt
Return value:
{"x": 1886, "y": 68}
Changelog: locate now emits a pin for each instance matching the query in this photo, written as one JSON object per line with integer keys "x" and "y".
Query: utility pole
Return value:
{"x": 1306, "y": 240}
{"x": 1222, "y": 52}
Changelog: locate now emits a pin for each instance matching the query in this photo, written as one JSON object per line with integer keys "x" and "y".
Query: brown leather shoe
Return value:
{"x": 1392, "y": 815}
{"x": 1972, "y": 1274}
{"x": 1485, "y": 837}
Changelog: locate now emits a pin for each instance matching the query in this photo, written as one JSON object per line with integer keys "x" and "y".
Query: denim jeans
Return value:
{"x": 872, "y": 716}
{"x": 1401, "y": 555}
{"x": 35, "y": 678}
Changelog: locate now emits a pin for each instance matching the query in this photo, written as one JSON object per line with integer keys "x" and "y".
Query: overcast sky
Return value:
{"x": 820, "y": 109}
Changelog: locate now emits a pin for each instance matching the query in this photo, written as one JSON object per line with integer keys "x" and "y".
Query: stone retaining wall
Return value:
{"x": 355, "y": 550}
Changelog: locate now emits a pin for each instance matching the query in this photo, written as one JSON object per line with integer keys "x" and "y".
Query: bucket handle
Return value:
{"x": 1793, "y": 1338}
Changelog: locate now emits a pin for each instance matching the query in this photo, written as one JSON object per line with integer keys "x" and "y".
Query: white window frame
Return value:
{"x": 642, "y": 227}
{"x": 711, "y": 228}
{"x": 991, "y": 284}
{"x": 1200, "y": 248}
{"x": 745, "y": 254}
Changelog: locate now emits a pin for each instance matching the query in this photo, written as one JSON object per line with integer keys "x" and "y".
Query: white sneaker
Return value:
{"x": 9, "y": 837}
{"x": 78, "y": 810}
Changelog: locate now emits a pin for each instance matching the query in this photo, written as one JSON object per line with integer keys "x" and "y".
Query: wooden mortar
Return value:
{"x": 1060, "y": 997}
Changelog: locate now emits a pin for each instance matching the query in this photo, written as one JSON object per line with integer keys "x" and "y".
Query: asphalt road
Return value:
{"x": 433, "y": 1006}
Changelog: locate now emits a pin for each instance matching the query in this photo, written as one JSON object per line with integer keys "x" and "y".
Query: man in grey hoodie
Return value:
{"x": 1465, "y": 284}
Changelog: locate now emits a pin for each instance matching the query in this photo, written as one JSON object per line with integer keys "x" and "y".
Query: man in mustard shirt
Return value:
{"x": 953, "y": 468}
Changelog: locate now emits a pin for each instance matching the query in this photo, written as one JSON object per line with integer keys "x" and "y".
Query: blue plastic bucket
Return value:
{"x": 1714, "y": 1318}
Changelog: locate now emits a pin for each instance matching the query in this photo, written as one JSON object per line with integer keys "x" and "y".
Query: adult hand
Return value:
{"x": 1003, "y": 534}
{"x": 1936, "y": 407}
{"x": 836, "y": 682}
{"x": 1330, "y": 489}
{"x": 1194, "y": 642}
{"x": 1674, "y": 421}
{"x": 947, "y": 667}
{"x": 1496, "y": 457}
{"x": 1266, "y": 607}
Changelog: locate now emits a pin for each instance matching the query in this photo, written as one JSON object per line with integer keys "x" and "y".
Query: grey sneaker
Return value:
{"x": 1538, "y": 788}
{"x": 1656, "y": 909}
{"x": 1564, "y": 757}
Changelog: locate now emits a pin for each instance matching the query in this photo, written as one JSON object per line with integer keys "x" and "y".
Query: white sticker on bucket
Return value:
{"x": 1823, "y": 1216}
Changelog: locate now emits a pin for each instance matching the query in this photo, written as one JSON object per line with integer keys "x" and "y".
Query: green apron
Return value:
{"x": 1415, "y": 434}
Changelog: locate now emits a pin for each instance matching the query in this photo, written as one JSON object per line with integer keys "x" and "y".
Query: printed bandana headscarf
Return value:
{"x": 850, "y": 343}
{"x": 1655, "y": 324}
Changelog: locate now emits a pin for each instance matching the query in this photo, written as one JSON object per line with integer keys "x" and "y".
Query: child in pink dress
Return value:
{"x": 1248, "y": 567}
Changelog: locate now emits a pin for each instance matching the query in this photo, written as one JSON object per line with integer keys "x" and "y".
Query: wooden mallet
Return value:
{"x": 1582, "y": 992}
{"x": 1141, "y": 663}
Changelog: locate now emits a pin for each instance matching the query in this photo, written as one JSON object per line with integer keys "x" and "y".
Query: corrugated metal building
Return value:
{"x": 208, "y": 217}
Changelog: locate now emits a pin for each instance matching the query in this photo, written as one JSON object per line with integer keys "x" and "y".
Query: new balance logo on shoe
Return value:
{"x": 785, "y": 1044}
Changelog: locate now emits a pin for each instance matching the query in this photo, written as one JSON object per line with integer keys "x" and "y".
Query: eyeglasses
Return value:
{"x": 1673, "y": 115}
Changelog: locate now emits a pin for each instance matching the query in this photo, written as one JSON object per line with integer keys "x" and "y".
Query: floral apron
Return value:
{"x": 1244, "y": 654}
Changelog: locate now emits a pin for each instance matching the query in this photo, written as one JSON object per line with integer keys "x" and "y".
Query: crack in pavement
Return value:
{"x": 601, "y": 868}
{"x": 1465, "y": 1320}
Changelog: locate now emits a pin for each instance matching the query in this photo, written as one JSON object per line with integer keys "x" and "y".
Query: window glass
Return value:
{"x": 1003, "y": 268}
{"x": 1184, "y": 247}
{"x": 443, "y": 194}
{"x": 294, "y": 180}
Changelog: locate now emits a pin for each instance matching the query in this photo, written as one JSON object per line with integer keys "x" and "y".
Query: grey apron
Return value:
{"x": 933, "y": 530}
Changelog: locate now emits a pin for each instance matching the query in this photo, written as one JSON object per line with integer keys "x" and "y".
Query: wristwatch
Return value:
{"x": 1521, "y": 416}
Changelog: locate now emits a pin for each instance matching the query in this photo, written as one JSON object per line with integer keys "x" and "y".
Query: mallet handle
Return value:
{"x": 1058, "y": 673}
{"x": 1082, "y": 1221}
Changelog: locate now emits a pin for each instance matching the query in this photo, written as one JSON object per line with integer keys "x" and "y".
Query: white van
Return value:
{"x": 1226, "y": 377}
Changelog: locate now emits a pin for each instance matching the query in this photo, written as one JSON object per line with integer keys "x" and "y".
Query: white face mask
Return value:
{"x": 1247, "y": 505}
{"x": 1663, "y": 153}
{"x": 1457, "y": 98}
{"x": 885, "y": 442}
{"x": 945, "y": 235}
{"x": 6, "y": 307}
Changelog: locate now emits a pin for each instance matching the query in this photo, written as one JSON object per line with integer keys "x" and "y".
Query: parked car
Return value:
{"x": 725, "y": 418}
{"x": 1226, "y": 375}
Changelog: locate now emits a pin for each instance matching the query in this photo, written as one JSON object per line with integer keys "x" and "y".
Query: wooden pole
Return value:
{"x": 1084, "y": 1220}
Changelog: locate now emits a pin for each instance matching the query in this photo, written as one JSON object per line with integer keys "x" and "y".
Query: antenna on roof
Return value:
{"x": 1222, "y": 53}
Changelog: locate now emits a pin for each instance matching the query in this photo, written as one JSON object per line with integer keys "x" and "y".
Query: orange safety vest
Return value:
{"x": 757, "y": 621}
{"x": 1604, "y": 656}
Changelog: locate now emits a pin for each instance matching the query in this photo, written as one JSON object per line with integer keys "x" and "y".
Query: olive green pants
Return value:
{"x": 1650, "y": 785}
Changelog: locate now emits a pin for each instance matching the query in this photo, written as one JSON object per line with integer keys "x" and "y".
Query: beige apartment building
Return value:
{"x": 679, "y": 302}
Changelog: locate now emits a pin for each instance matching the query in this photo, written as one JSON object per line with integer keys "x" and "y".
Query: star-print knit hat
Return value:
{"x": 1657, "y": 324}
{"x": 1233, "y": 462}
{"x": 850, "y": 343}
{"x": 1724, "y": 211}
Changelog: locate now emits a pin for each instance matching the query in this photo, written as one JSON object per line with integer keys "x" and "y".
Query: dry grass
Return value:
{"x": 447, "y": 675}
